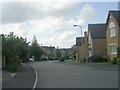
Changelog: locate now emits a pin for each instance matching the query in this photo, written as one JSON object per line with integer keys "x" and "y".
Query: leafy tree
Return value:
{"x": 24, "y": 49}
{"x": 58, "y": 53}
{"x": 66, "y": 56}
{"x": 35, "y": 50}
{"x": 14, "y": 50}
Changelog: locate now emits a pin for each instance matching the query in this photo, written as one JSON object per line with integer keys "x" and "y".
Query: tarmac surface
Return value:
{"x": 68, "y": 74}
{"x": 55, "y": 74}
{"x": 25, "y": 78}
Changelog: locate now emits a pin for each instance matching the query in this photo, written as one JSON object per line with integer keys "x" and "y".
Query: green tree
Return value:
{"x": 58, "y": 53}
{"x": 14, "y": 50}
{"x": 66, "y": 56}
{"x": 10, "y": 52}
{"x": 35, "y": 49}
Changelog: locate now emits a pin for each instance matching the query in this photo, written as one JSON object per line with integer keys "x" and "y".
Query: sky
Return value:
{"x": 52, "y": 22}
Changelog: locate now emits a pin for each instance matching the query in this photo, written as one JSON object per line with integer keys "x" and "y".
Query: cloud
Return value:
{"x": 16, "y": 12}
{"x": 18, "y": 29}
{"x": 87, "y": 13}
{"x": 64, "y": 40}
{"x": 46, "y": 20}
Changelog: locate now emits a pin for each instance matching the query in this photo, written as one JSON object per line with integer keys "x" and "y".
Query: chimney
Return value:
{"x": 86, "y": 36}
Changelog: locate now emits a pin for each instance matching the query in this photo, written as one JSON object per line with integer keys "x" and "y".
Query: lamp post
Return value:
{"x": 81, "y": 40}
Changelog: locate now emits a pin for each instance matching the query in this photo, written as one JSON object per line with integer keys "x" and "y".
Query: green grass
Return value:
{"x": 102, "y": 62}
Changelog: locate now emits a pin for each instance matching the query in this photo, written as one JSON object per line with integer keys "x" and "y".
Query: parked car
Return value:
{"x": 96, "y": 58}
{"x": 31, "y": 59}
{"x": 44, "y": 58}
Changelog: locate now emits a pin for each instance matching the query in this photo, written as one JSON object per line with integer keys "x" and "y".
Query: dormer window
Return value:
{"x": 112, "y": 29}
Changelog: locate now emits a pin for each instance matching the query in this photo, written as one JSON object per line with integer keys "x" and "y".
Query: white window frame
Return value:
{"x": 112, "y": 29}
{"x": 113, "y": 50}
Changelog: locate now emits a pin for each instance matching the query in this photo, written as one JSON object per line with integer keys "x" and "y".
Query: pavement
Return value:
{"x": 5, "y": 76}
{"x": 24, "y": 78}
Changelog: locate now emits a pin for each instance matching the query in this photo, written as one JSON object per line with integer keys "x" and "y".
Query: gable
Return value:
{"x": 115, "y": 15}
{"x": 97, "y": 30}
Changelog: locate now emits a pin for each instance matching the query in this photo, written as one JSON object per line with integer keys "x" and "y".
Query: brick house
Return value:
{"x": 50, "y": 51}
{"x": 82, "y": 47}
{"x": 96, "y": 40}
{"x": 112, "y": 33}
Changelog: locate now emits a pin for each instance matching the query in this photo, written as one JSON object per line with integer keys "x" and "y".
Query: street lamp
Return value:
{"x": 81, "y": 40}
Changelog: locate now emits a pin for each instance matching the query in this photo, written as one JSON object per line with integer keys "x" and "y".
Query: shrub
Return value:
{"x": 118, "y": 61}
{"x": 83, "y": 60}
{"x": 13, "y": 64}
{"x": 24, "y": 60}
{"x": 114, "y": 61}
{"x": 97, "y": 58}
{"x": 62, "y": 59}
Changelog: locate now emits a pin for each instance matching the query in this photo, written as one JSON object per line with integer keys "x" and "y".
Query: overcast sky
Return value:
{"x": 52, "y": 22}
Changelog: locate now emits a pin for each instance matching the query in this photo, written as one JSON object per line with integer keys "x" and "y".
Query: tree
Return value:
{"x": 15, "y": 50}
{"x": 58, "y": 53}
{"x": 35, "y": 49}
{"x": 66, "y": 56}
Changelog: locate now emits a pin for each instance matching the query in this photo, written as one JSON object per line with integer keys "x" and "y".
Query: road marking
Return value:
{"x": 36, "y": 78}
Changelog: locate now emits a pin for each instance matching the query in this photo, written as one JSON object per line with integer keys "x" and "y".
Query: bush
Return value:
{"x": 84, "y": 59}
{"x": 114, "y": 61}
{"x": 62, "y": 59}
{"x": 118, "y": 61}
{"x": 97, "y": 58}
{"x": 24, "y": 60}
{"x": 13, "y": 64}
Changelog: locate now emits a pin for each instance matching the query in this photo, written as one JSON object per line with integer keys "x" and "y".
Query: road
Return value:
{"x": 53, "y": 74}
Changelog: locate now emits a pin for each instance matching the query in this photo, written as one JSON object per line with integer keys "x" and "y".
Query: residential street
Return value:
{"x": 55, "y": 74}
{"x": 68, "y": 44}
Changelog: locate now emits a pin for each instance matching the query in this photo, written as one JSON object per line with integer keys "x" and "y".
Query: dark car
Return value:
{"x": 96, "y": 58}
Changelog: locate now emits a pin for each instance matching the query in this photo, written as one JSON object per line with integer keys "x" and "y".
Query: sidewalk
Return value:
{"x": 25, "y": 78}
{"x": 93, "y": 65}
{"x": 5, "y": 76}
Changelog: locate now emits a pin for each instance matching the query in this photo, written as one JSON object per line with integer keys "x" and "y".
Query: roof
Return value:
{"x": 48, "y": 49}
{"x": 66, "y": 50}
{"x": 97, "y": 30}
{"x": 79, "y": 40}
{"x": 116, "y": 15}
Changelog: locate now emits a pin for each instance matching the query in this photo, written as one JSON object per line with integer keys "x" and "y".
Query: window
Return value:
{"x": 113, "y": 48}
{"x": 112, "y": 32}
{"x": 112, "y": 29}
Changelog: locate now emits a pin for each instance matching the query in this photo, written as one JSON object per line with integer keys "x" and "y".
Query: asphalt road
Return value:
{"x": 59, "y": 75}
